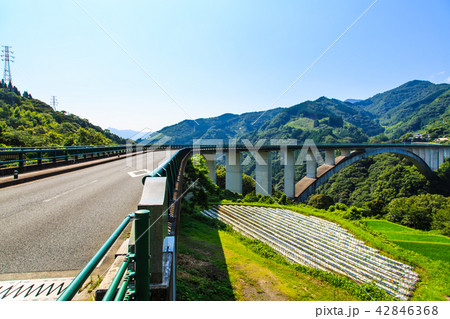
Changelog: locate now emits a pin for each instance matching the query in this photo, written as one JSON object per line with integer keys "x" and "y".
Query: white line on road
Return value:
{"x": 141, "y": 172}
{"x": 69, "y": 191}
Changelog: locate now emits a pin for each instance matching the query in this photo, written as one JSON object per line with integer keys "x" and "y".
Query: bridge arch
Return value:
{"x": 307, "y": 186}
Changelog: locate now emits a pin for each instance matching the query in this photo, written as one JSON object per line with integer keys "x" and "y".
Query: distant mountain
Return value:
{"x": 352, "y": 101}
{"x": 324, "y": 120}
{"x": 124, "y": 133}
{"x": 412, "y": 107}
{"x": 225, "y": 126}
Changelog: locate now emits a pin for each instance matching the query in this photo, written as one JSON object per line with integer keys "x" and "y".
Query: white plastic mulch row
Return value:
{"x": 318, "y": 243}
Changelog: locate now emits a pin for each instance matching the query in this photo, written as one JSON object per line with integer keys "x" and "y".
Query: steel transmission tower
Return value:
{"x": 7, "y": 57}
{"x": 54, "y": 102}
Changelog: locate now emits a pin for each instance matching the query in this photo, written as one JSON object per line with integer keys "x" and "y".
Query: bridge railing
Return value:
{"x": 30, "y": 158}
{"x": 25, "y": 159}
{"x": 84, "y": 274}
{"x": 148, "y": 269}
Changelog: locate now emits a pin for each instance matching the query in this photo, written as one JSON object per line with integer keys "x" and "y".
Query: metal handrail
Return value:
{"x": 117, "y": 278}
{"x": 140, "y": 258}
{"x": 83, "y": 275}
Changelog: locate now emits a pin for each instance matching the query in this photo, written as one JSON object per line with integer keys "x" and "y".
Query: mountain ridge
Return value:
{"x": 395, "y": 112}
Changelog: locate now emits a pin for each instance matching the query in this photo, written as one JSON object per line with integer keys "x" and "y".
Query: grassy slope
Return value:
{"x": 434, "y": 274}
{"x": 216, "y": 265}
{"x": 436, "y": 247}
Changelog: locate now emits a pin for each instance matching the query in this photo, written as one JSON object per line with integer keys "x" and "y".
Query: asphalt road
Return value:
{"x": 58, "y": 223}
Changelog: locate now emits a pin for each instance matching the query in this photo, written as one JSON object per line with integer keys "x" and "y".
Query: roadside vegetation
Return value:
{"x": 216, "y": 263}
{"x": 426, "y": 250}
{"x": 391, "y": 188}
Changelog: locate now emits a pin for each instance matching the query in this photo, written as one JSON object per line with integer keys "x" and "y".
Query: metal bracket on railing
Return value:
{"x": 168, "y": 257}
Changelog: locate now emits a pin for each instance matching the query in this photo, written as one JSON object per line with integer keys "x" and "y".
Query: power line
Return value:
{"x": 7, "y": 57}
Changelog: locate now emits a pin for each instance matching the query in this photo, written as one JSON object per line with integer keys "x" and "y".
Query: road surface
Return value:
{"x": 58, "y": 223}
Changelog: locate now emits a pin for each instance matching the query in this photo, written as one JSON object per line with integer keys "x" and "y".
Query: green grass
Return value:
{"x": 436, "y": 247}
{"x": 433, "y": 251}
{"x": 302, "y": 123}
{"x": 386, "y": 226}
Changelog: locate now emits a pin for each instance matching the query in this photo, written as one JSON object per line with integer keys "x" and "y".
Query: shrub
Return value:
{"x": 320, "y": 201}
{"x": 374, "y": 207}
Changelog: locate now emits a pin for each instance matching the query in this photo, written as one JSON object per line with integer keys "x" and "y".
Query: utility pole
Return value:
{"x": 7, "y": 57}
{"x": 54, "y": 102}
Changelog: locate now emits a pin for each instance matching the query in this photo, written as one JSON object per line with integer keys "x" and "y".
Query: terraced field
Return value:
{"x": 318, "y": 243}
{"x": 433, "y": 246}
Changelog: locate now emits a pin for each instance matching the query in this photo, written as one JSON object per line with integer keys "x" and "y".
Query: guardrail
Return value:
{"x": 149, "y": 268}
{"x": 23, "y": 159}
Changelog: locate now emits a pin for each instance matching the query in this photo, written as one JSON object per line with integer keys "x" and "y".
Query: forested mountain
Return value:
{"x": 324, "y": 120}
{"x": 414, "y": 107}
{"x": 226, "y": 126}
{"x": 408, "y": 108}
{"x": 25, "y": 121}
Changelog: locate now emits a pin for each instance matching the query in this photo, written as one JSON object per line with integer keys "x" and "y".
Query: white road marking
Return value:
{"x": 34, "y": 289}
{"x": 69, "y": 191}
{"x": 138, "y": 173}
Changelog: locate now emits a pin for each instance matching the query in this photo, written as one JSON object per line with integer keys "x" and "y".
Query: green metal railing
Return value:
{"x": 83, "y": 275}
{"x": 21, "y": 158}
{"x": 131, "y": 284}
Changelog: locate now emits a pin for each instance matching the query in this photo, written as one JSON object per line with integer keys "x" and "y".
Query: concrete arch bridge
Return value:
{"x": 426, "y": 157}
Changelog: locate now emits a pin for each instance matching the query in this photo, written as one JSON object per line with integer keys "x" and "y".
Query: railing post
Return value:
{"x": 142, "y": 256}
{"x": 21, "y": 162}
{"x": 39, "y": 160}
{"x": 155, "y": 199}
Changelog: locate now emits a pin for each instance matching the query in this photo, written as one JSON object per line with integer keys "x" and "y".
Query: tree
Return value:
{"x": 320, "y": 201}
{"x": 419, "y": 211}
{"x": 374, "y": 208}
{"x": 441, "y": 221}
{"x": 248, "y": 184}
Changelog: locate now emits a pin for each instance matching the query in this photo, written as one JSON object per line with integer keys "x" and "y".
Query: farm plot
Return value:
{"x": 318, "y": 243}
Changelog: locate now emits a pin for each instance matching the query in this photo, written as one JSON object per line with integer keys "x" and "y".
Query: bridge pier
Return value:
{"x": 434, "y": 159}
{"x": 263, "y": 173}
{"x": 329, "y": 157}
{"x": 311, "y": 165}
{"x": 289, "y": 173}
{"x": 233, "y": 175}
{"x": 422, "y": 153}
{"x": 428, "y": 157}
{"x": 415, "y": 151}
{"x": 446, "y": 153}
{"x": 211, "y": 165}
{"x": 345, "y": 152}
{"x": 440, "y": 157}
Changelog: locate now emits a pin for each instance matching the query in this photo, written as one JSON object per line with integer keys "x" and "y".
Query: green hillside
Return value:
{"x": 25, "y": 121}
{"x": 409, "y": 107}
{"x": 323, "y": 120}
{"x": 225, "y": 126}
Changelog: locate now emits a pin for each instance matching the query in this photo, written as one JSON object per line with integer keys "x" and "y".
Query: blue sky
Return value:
{"x": 215, "y": 57}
